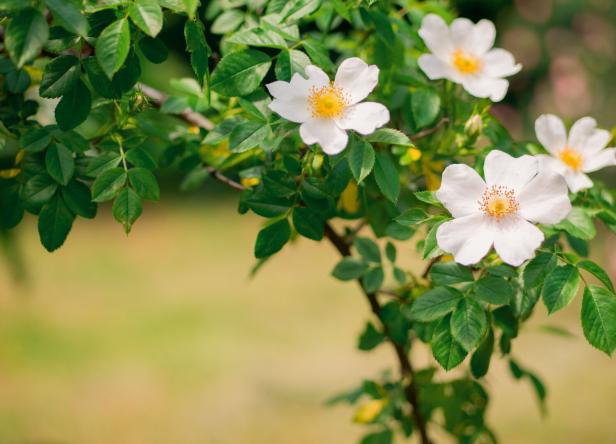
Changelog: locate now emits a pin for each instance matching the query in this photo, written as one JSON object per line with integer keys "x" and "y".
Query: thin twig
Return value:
{"x": 224, "y": 179}
{"x": 433, "y": 261}
{"x": 426, "y": 132}
{"x": 406, "y": 368}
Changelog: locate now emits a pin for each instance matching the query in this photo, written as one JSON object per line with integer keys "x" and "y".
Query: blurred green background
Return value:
{"x": 161, "y": 337}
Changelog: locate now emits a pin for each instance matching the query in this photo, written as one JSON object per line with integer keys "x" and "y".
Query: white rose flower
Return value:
{"x": 463, "y": 54}
{"x": 501, "y": 210}
{"x": 325, "y": 109}
{"x": 582, "y": 152}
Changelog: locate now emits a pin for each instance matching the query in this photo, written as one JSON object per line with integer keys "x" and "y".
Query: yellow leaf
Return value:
{"x": 369, "y": 411}
{"x": 349, "y": 199}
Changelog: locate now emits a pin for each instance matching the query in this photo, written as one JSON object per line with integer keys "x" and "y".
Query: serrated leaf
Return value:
{"x": 78, "y": 199}
{"x": 144, "y": 183}
{"x": 469, "y": 324}
{"x": 390, "y": 136}
{"x": 54, "y": 223}
{"x": 445, "y": 273}
{"x": 308, "y": 223}
{"x": 227, "y": 22}
{"x": 194, "y": 34}
{"x": 108, "y": 184}
{"x": 247, "y": 135}
{"x": 493, "y": 290}
{"x": 387, "y": 177}
{"x": 428, "y": 197}
{"x": 258, "y": 37}
{"x": 598, "y": 272}
{"x": 272, "y": 238}
{"x": 25, "y": 35}
{"x": 561, "y": 286}
{"x": 147, "y": 15}
{"x": 35, "y": 140}
{"x": 445, "y": 349}
{"x": 538, "y": 268}
{"x": 74, "y": 107}
{"x": 240, "y": 73}
{"x": 60, "y": 163}
{"x": 60, "y": 76}
{"x": 430, "y": 248}
{"x": 361, "y": 159}
{"x": 599, "y": 318}
{"x": 480, "y": 360}
{"x": 68, "y": 15}
{"x": 127, "y": 208}
{"x": 38, "y": 189}
{"x": 433, "y": 304}
{"x": 112, "y": 47}
{"x": 290, "y": 62}
{"x": 412, "y": 216}
{"x": 578, "y": 224}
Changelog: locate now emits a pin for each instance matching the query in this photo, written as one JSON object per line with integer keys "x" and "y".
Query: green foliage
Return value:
{"x": 113, "y": 136}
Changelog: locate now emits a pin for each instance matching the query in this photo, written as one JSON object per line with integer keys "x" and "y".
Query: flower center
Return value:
{"x": 571, "y": 158}
{"x": 327, "y": 101}
{"x": 498, "y": 201}
{"x": 466, "y": 63}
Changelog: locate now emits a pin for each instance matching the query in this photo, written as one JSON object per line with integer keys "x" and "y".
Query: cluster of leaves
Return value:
{"x": 109, "y": 134}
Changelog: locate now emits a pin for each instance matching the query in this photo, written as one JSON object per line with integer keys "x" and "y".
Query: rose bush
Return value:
{"x": 392, "y": 150}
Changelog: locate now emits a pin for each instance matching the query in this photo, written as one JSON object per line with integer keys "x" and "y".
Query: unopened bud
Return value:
{"x": 317, "y": 162}
{"x": 473, "y": 126}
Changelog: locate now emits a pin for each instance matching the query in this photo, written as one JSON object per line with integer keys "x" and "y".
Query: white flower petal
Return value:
{"x": 468, "y": 238}
{"x": 295, "y": 109}
{"x": 316, "y": 78}
{"x": 486, "y": 87}
{"x": 436, "y": 68}
{"x": 595, "y": 142}
{"x": 364, "y": 117}
{"x": 280, "y": 89}
{"x": 516, "y": 240}
{"x": 602, "y": 159}
{"x": 356, "y": 78}
{"x": 461, "y": 189}
{"x": 435, "y": 34}
{"x": 326, "y": 133}
{"x": 462, "y": 34}
{"x": 549, "y": 163}
{"x": 545, "y": 199}
{"x": 484, "y": 34}
{"x": 513, "y": 172}
{"x": 551, "y": 132}
{"x": 581, "y": 131}
{"x": 577, "y": 181}
{"x": 500, "y": 63}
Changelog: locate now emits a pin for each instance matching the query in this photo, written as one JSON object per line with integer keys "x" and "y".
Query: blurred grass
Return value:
{"x": 162, "y": 338}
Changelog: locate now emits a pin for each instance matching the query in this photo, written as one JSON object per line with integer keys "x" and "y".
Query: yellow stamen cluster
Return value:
{"x": 498, "y": 201}
{"x": 466, "y": 63}
{"x": 327, "y": 101}
{"x": 571, "y": 158}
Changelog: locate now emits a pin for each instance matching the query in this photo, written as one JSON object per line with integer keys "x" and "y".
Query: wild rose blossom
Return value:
{"x": 325, "y": 109}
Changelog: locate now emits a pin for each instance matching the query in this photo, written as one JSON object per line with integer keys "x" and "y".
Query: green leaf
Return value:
{"x": 147, "y": 15}
{"x": 599, "y": 318}
{"x": 272, "y": 238}
{"x": 431, "y": 248}
{"x": 108, "y": 184}
{"x": 561, "y": 286}
{"x": 390, "y": 136}
{"x": 78, "y": 199}
{"x": 100, "y": 82}
{"x": 154, "y": 50}
{"x": 349, "y": 268}
{"x": 387, "y": 177}
{"x": 25, "y": 35}
{"x": 368, "y": 249}
{"x": 370, "y": 338}
{"x": 445, "y": 349}
{"x": 480, "y": 360}
{"x": 578, "y": 224}
{"x": 194, "y": 34}
{"x": 190, "y": 6}
{"x": 390, "y": 252}
{"x": 290, "y": 61}
{"x": 38, "y": 189}
{"x": 361, "y": 159}
{"x": 102, "y": 163}
{"x": 308, "y": 223}
{"x": 60, "y": 163}
{"x": 247, "y": 135}
{"x": 68, "y": 15}
{"x": 538, "y": 268}
{"x": 383, "y": 437}
{"x": 112, "y": 47}
{"x": 469, "y": 323}
{"x": 598, "y": 272}
{"x": 433, "y": 304}
{"x": 445, "y": 273}
{"x": 318, "y": 54}
{"x": 144, "y": 183}
{"x": 494, "y": 290}
{"x": 412, "y": 216}
{"x": 54, "y": 223}
{"x": 139, "y": 157}
{"x": 428, "y": 197}
{"x": 60, "y": 76}
{"x": 373, "y": 279}
{"x": 127, "y": 208}
{"x": 240, "y": 73}
{"x": 227, "y": 22}
{"x": 425, "y": 107}
{"x": 258, "y": 37}
{"x": 74, "y": 107}
{"x": 35, "y": 140}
